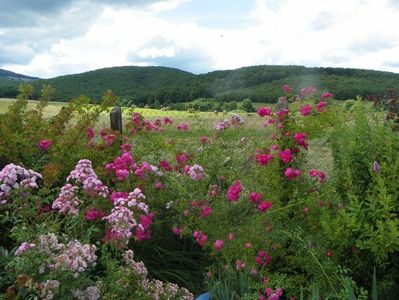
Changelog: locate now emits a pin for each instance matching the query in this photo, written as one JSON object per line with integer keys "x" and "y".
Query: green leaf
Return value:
{"x": 374, "y": 287}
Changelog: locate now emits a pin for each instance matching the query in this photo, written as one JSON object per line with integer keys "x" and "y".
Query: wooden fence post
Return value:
{"x": 116, "y": 119}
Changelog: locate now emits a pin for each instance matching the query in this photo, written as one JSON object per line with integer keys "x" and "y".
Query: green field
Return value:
{"x": 51, "y": 109}
{"x": 205, "y": 120}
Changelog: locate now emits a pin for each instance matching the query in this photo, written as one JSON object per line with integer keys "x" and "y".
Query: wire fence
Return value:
{"x": 193, "y": 125}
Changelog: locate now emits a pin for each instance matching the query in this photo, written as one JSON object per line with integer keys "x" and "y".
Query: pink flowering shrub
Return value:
{"x": 123, "y": 223}
{"x": 23, "y": 247}
{"x": 52, "y": 256}
{"x": 174, "y": 199}
{"x": 67, "y": 202}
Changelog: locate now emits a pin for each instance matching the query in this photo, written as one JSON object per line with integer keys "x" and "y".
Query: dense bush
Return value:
{"x": 87, "y": 212}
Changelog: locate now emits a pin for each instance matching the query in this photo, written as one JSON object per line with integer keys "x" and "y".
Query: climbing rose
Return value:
{"x": 94, "y": 214}
{"x": 204, "y": 139}
{"x": 306, "y": 110}
{"x": 300, "y": 139}
{"x": 264, "y": 206}
{"x": 286, "y": 156}
{"x": 291, "y": 173}
{"x": 90, "y": 133}
{"x": 177, "y": 230}
{"x": 159, "y": 185}
{"x": 45, "y": 144}
{"x": 287, "y": 88}
{"x": 326, "y": 96}
{"x": 264, "y": 111}
{"x": 206, "y": 211}
{"x": 320, "y": 174}
{"x": 254, "y": 197}
{"x": 308, "y": 91}
{"x": 248, "y": 245}
{"x": 240, "y": 265}
{"x": 320, "y": 105}
{"x": 233, "y": 193}
{"x": 218, "y": 244}
{"x": 263, "y": 159}
{"x": 200, "y": 237}
{"x": 182, "y": 127}
{"x": 262, "y": 259}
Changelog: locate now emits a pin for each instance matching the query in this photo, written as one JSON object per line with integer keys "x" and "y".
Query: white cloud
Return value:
{"x": 342, "y": 33}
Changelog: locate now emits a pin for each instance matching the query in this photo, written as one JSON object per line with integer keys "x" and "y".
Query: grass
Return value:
{"x": 51, "y": 109}
{"x": 198, "y": 121}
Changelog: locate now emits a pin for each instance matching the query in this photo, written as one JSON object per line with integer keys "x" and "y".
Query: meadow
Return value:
{"x": 285, "y": 203}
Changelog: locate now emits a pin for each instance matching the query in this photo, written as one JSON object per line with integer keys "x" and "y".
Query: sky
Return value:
{"x": 48, "y": 38}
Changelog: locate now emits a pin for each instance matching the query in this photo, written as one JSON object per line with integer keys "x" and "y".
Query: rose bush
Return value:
{"x": 162, "y": 209}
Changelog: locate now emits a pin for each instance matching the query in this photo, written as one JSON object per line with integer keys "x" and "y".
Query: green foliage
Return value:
{"x": 247, "y": 106}
{"x": 9, "y": 82}
{"x": 374, "y": 287}
{"x": 47, "y": 94}
{"x": 231, "y": 284}
{"x": 203, "y": 104}
{"x": 369, "y": 218}
{"x": 349, "y": 104}
{"x": 22, "y": 129}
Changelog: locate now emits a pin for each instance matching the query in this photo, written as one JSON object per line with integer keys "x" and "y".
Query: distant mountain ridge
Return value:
{"x": 9, "y": 82}
{"x": 15, "y": 76}
{"x": 148, "y": 85}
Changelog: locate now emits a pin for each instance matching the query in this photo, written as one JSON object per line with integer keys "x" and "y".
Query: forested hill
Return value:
{"x": 9, "y": 82}
{"x": 11, "y": 75}
{"x": 146, "y": 85}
